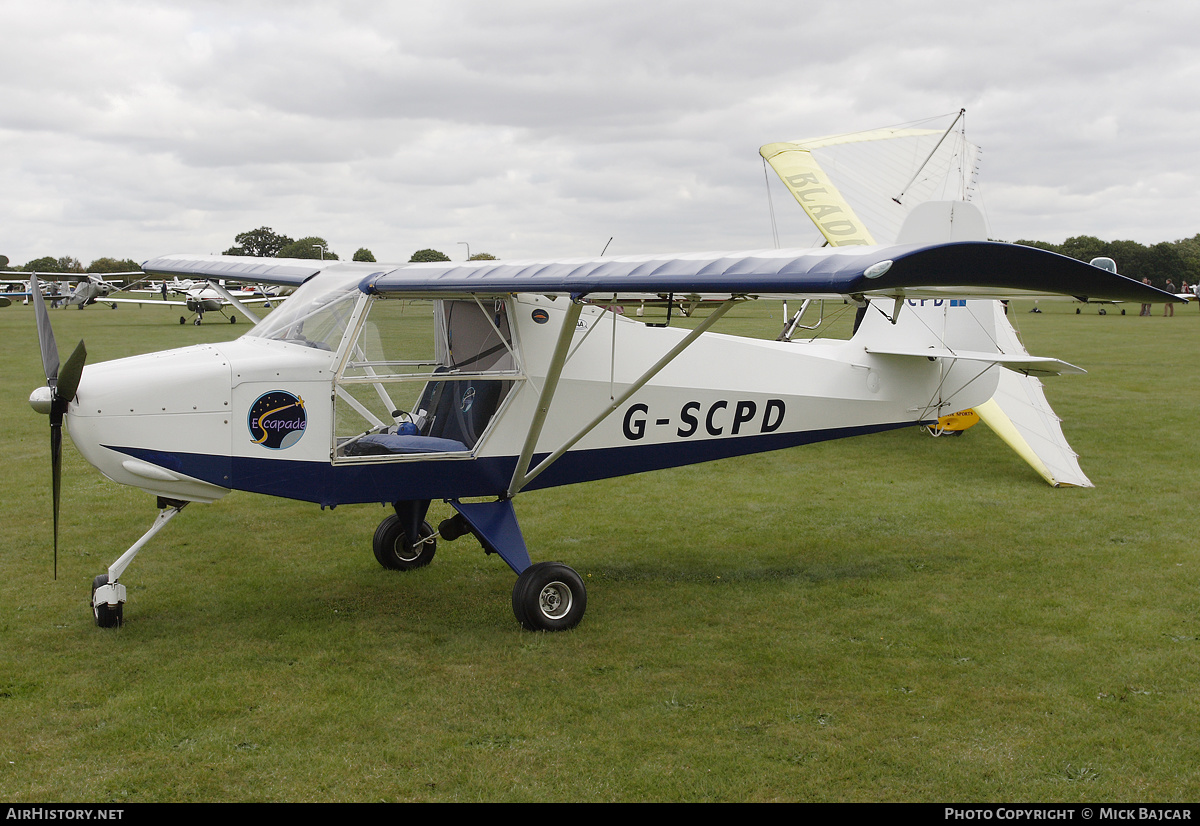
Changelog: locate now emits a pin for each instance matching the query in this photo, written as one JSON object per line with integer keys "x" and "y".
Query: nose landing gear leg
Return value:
{"x": 108, "y": 594}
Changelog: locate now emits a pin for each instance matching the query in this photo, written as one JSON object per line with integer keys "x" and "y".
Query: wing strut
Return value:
{"x": 557, "y": 360}
{"x": 521, "y": 478}
{"x": 237, "y": 305}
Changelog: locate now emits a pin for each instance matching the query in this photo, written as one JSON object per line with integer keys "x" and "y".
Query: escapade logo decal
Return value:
{"x": 277, "y": 420}
{"x": 540, "y": 316}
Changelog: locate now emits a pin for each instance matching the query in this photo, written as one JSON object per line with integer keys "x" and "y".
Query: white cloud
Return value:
{"x": 134, "y": 129}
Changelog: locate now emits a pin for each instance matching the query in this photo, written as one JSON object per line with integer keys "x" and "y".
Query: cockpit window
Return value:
{"x": 316, "y": 314}
{"x": 423, "y": 377}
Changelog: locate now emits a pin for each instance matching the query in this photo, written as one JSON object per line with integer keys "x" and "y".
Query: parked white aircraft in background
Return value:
{"x": 74, "y": 290}
{"x": 200, "y": 297}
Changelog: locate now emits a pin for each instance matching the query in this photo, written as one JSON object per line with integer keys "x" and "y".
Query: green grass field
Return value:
{"x": 890, "y": 618}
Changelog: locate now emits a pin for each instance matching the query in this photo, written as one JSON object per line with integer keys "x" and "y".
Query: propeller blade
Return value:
{"x": 56, "y": 478}
{"x": 45, "y": 333}
{"x": 70, "y": 373}
{"x": 63, "y": 388}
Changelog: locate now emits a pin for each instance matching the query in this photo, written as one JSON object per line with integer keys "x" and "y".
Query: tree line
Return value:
{"x": 69, "y": 264}
{"x": 1178, "y": 261}
{"x": 263, "y": 242}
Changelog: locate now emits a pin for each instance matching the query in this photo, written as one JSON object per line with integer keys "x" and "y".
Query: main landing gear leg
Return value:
{"x": 108, "y": 594}
{"x": 548, "y": 596}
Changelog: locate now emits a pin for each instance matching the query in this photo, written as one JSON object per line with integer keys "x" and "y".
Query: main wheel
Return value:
{"x": 549, "y": 596}
{"x": 395, "y": 551}
{"x": 107, "y": 616}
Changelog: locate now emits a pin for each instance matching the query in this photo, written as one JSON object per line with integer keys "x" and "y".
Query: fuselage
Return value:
{"x": 283, "y": 413}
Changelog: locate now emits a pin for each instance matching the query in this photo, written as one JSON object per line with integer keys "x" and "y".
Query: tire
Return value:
{"x": 549, "y": 596}
{"x": 106, "y": 615}
{"x": 395, "y": 552}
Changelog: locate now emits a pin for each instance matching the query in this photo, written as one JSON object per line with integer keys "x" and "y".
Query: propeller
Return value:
{"x": 62, "y": 380}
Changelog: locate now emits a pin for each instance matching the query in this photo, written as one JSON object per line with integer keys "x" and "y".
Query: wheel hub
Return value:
{"x": 555, "y": 600}
{"x": 406, "y": 551}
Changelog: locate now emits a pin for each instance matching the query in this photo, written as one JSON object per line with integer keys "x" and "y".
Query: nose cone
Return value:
{"x": 137, "y": 419}
{"x": 41, "y": 400}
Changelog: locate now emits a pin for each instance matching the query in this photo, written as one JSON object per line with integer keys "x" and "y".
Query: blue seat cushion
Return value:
{"x": 378, "y": 444}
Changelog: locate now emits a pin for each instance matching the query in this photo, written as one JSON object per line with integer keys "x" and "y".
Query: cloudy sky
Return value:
{"x": 534, "y": 128}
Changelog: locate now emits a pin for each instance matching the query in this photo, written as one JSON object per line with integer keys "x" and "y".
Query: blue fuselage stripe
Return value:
{"x": 344, "y": 484}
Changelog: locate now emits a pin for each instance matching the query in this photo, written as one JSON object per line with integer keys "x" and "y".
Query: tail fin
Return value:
{"x": 1018, "y": 411}
{"x": 936, "y": 222}
{"x": 971, "y": 337}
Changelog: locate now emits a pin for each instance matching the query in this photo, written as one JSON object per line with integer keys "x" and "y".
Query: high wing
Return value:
{"x": 288, "y": 272}
{"x": 968, "y": 269}
{"x": 912, "y": 271}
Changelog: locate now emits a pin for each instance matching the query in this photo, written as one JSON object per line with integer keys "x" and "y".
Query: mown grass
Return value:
{"x": 894, "y": 617}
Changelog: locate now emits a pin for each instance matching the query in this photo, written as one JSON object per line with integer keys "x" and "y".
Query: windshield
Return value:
{"x": 316, "y": 314}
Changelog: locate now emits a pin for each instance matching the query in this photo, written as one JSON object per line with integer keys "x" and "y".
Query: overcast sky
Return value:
{"x": 532, "y": 128}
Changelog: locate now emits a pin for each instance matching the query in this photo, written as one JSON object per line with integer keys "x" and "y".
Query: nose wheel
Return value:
{"x": 108, "y": 614}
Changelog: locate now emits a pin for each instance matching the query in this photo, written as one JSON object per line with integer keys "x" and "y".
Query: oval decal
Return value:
{"x": 277, "y": 420}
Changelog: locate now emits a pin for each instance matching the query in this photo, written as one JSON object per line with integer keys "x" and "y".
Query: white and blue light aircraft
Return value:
{"x": 476, "y": 382}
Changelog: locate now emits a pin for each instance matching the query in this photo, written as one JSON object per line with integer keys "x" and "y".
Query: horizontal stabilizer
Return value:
{"x": 1019, "y": 363}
